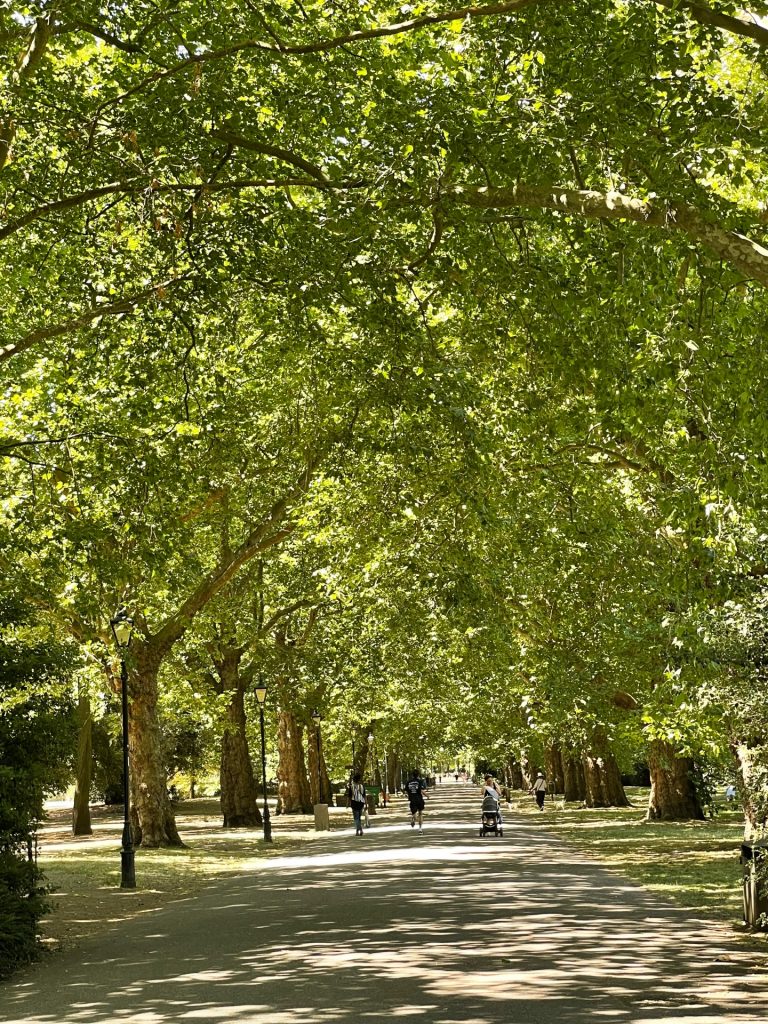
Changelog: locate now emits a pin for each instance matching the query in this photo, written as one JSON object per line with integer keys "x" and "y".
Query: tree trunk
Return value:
{"x": 601, "y": 774}
{"x": 293, "y": 795}
{"x": 81, "y": 811}
{"x": 324, "y": 794}
{"x": 574, "y": 779}
{"x": 239, "y": 794}
{"x": 525, "y": 771}
{"x": 360, "y": 752}
{"x": 612, "y": 784}
{"x": 673, "y": 794}
{"x": 553, "y": 769}
{"x": 515, "y": 775}
{"x": 751, "y": 758}
{"x": 152, "y": 814}
{"x": 603, "y": 781}
{"x": 393, "y": 771}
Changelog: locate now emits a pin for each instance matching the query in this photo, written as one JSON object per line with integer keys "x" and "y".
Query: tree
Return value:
{"x": 37, "y": 730}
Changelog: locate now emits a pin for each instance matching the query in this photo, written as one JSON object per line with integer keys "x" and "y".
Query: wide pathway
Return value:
{"x": 446, "y": 928}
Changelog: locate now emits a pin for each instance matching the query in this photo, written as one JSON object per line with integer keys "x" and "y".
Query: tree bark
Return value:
{"x": 152, "y": 814}
{"x": 751, "y": 758}
{"x": 602, "y": 776}
{"x": 393, "y": 771}
{"x": 239, "y": 795}
{"x": 515, "y": 775}
{"x": 673, "y": 794}
{"x": 741, "y": 252}
{"x": 553, "y": 769}
{"x": 312, "y": 768}
{"x": 81, "y": 810}
{"x": 294, "y": 796}
{"x": 362, "y": 751}
{"x": 525, "y": 770}
{"x": 574, "y": 779}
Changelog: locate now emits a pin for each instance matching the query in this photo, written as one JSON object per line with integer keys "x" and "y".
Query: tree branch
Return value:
{"x": 133, "y": 186}
{"x": 283, "y": 613}
{"x": 321, "y": 45}
{"x": 276, "y": 151}
{"x": 123, "y": 305}
{"x": 748, "y": 256}
{"x": 708, "y": 16}
{"x": 264, "y": 535}
{"x": 100, "y": 33}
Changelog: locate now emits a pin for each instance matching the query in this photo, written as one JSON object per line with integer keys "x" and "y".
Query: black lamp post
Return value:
{"x": 317, "y": 719}
{"x": 122, "y": 630}
{"x": 261, "y": 696}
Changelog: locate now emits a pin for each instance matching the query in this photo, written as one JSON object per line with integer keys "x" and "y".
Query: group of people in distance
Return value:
{"x": 414, "y": 790}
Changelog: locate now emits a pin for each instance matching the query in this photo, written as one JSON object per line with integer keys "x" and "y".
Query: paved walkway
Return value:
{"x": 446, "y": 928}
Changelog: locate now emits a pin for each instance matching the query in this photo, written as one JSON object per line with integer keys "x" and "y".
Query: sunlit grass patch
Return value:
{"x": 693, "y": 863}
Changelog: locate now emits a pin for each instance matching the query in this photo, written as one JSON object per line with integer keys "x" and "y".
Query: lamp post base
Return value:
{"x": 322, "y": 818}
{"x": 127, "y": 869}
{"x": 267, "y": 824}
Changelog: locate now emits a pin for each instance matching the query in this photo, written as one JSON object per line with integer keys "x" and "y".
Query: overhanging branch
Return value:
{"x": 126, "y": 304}
{"x": 748, "y": 256}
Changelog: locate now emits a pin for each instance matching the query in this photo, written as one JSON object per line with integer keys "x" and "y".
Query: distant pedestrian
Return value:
{"x": 357, "y": 801}
{"x": 539, "y": 790}
{"x": 730, "y": 793}
{"x": 415, "y": 791}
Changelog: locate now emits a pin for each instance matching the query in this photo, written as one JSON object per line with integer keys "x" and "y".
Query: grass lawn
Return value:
{"x": 695, "y": 864}
{"x": 84, "y": 872}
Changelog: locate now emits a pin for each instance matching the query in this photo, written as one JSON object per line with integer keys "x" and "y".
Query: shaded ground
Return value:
{"x": 439, "y": 929}
{"x": 85, "y": 871}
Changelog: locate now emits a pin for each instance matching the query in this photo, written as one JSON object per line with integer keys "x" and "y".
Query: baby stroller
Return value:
{"x": 491, "y": 819}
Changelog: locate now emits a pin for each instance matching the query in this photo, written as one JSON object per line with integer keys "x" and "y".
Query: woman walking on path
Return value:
{"x": 539, "y": 790}
{"x": 357, "y": 800}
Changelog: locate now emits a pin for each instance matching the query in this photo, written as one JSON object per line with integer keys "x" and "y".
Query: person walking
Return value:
{"x": 357, "y": 802}
{"x": 415, "y": 791}
{"x": 539, "y": 790}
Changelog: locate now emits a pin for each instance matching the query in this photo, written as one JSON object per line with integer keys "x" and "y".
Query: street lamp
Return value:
{"x": 122, "y": 630}
{"x": 261, "y": 696}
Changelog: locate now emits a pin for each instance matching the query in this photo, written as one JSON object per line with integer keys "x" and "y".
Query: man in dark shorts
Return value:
{"x": 414, "y": 790}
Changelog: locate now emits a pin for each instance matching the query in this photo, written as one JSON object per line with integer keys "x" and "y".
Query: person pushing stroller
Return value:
{"x": 491, "y": 820}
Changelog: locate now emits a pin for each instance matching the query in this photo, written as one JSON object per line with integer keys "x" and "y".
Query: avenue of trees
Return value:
{"x": 409, "y": 359}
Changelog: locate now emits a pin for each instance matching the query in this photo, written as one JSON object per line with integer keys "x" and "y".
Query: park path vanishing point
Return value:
{"x": 444, "y": 928}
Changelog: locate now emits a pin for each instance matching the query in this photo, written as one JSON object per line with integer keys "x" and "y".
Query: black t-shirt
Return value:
{"x": 413, "y": 789}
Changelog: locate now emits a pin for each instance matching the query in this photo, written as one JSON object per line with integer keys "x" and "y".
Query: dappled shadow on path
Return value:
{"x": 442, "y": 929}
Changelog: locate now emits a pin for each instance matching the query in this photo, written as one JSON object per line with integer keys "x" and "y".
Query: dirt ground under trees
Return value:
{"x": 84, "y": 871}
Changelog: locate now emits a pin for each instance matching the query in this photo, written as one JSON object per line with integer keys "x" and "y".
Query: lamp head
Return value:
{"x": 316, "y": 717}
{"x": 261, "y": 693}
{"x": 370, "y": 737}
{"x": 122, "y": 628}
